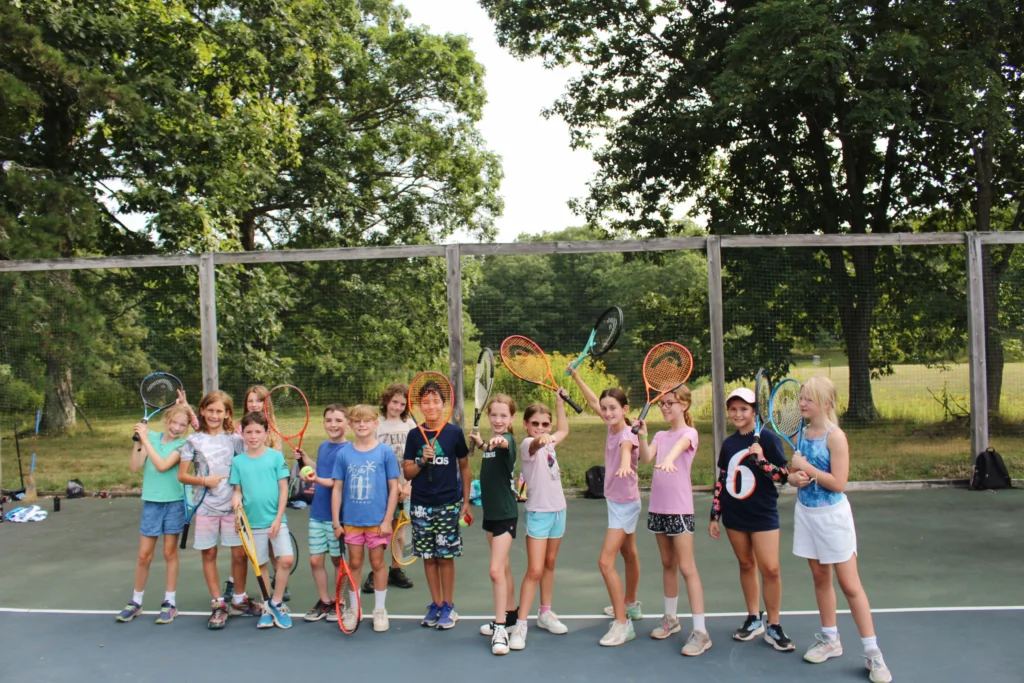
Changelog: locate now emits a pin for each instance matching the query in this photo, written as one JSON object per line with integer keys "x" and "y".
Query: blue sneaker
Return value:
{"x": 266, "y": 620}
{"x": 279, "y": 614}
{"x": 132, "y": 610}
{"x": 433, "y": 611}
{"x": 448, "y": 617}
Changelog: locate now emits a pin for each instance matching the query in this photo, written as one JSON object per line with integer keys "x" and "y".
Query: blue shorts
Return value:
{"x": 162, "y": 519}
{"x": 545, "y": 525}
{"x": 624, "y": 515}
{"x": 321, "y": 538}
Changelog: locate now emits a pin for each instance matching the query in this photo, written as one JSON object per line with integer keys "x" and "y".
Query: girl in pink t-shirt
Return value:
{"x": 622, "y": 492}
{"x": 670, "y": 516}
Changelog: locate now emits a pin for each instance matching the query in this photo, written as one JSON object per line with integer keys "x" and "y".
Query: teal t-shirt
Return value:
{"x": 161, "y": 487}
{"x": 258, "y": 478}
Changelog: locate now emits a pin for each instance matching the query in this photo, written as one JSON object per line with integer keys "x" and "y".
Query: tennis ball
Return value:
{"x": 466, "y": 521}
{"x": 306, "y": 471}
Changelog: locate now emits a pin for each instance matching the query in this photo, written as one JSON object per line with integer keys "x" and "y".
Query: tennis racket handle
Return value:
{"x": 575, "y": 406}
{"x": 135, "y": 436}
{"x": 643, "y": 416}
{"x": 184, "y": 537}
{"x": 575, "y": 364}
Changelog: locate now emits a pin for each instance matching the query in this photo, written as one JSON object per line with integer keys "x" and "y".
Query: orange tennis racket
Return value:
{"x": 526, "y": 360}
{"x": 666, "y": 368}
{"x": 431, "y": 402}
{"x": 287, "y": 412}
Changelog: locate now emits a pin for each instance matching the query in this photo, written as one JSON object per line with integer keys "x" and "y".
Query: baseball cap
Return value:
{"x": 744, "y": 394}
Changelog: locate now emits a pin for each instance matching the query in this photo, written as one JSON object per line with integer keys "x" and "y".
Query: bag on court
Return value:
{"x": 990, "y": 472}
{"x": 595, "y": 482}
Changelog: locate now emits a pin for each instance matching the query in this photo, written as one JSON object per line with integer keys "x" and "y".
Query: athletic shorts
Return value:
{"x": 369, "y": 536}
{"x": 544, "y": 525}
{"x": 497, "y": 527}
{"x": 282, "y": 544}
{"x": 162, "y": 519}
{"x": 824, "y": 534}
{"x": 435, "y": 531}
{"x": 670, "y": 525}
{"x": 208, "y": 528}
{"x": 624, "y": 515}
{"x": 321, "y": 538}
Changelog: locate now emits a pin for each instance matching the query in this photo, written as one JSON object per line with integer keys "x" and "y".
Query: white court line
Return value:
{"x": 417, "y": 617}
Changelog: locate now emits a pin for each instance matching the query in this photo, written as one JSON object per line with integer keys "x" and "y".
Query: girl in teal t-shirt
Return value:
{"x": 163, "y": 513}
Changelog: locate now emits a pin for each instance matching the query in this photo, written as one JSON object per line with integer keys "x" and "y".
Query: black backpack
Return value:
{"x": 595, "y": 482}
{"x": 990, "y": 472}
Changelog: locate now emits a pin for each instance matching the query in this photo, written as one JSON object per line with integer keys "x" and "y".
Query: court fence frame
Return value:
{"x": 712, "y": 245}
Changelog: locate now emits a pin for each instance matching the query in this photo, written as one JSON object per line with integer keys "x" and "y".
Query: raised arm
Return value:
{"x": 588, "y": 393}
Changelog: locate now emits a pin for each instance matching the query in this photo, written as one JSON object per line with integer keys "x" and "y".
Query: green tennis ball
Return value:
{"x": 306, "y": 471}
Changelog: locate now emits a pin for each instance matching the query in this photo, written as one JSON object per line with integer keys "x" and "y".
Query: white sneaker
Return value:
{"x": 876, "y": 665}
{"x": 517, "y": 638}
{"x": 380, "y": 620}
{"x": 666, "y": 627}
{"x": 634, "y": 611}
{"x": 349, "y": 618}
{"x": 618, "y": 634}
{"x": 823, "y": 649}
{"x": 499, "y": 641}
{"x": 550, "y": 623}
{"x": 487, "y": 629}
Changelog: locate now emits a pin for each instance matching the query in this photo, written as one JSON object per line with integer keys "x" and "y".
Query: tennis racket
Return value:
{"x": 784, "y": 408}
{"x": 602, "y": 337}
{"x": 431, "y": 401}
{"x": 762, "y": 394}
{"x": 245, "y": 533}
{"x": 159, "y": 390}
{"x": 194, "y": 493}
{"x": 666, "y": 368}
{"x": 526, "y": 360}
{"x": 287, "y": 412}
{"x": 30, "y": 488}
{"x": 295, "y": 553}
{"x": 481, "y": 389}
{"x": 346, "y": 597}
{"x": 401, "y": 538}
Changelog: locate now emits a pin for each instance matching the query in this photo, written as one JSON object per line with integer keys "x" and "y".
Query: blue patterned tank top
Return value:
{"x": 817, "y": 453}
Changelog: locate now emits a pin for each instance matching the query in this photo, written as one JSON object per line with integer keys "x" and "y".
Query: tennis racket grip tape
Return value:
{"x": 572, "y": 403}
{"x": 643, "y": 416}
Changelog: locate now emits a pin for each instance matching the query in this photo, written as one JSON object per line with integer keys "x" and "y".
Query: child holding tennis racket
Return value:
{"x": 622, "y": 493}
{"x": 260, "y": 480}
{"x": 500, "y": 511}
{"x": 215, "y": 518}
{"x": 321, "y": 531}
{"x": 363, "y": 501}
{"x": 163, "y": 514}
{"x": 545, "y": 516}
{"x": 746, "y": 501}
{"x": 670, "y": 516}
{"x": 823, "y": 529}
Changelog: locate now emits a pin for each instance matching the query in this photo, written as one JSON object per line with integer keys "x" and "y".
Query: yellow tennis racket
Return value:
{"x": 401, "y": 539}
{"x": 245, "y": 533}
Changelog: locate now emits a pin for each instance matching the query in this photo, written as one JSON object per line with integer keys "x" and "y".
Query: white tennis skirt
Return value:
{"x": 825, "y": 534}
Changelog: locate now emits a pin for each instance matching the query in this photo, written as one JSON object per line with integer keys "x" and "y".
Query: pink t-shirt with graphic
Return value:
{"x": 543, "y": 478}
{"x": 621, "y": 489}
{"x": 671, "y": 492}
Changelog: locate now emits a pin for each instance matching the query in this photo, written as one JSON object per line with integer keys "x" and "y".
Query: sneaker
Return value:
{"x": 320, "y": 611}
{"x": 368, "y": 584}
{"x": 634, "y": 611}
{"x": 398, "y": 579}
{"x": 246, "y": 608}
{"x": 550, "y": 623}
{"x": 487, "y": 629}
{"x": 448, "y": 616}
{"x": 433, "y": 612}
{"x": 266, "y": 620}
{"x": 218, "y": 617}
{"x": 823, "y": 649}
{"x": 229, "y": 591}
{"x": 618, "y": 634}
{"x": 517, "y": 637}
{"x": 777, "y": 638}
{"x": 130, "y": 611}
{"x": 380, "y": 620}
{"x": 499, "y": 641}
{"x": 666, "y": 628}
{"x": 280, "y": 614}
{"x": 349, "y": 618}
{"x": 698, "y": 643}
{"x": 876, "y": 665}
{"x": 332, "y": 612}
{"x": 167, "y": 613}
{"x": 752, "y": 627}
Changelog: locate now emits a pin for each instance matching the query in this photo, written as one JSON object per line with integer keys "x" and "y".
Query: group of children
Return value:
{"x": 359, "y": 485}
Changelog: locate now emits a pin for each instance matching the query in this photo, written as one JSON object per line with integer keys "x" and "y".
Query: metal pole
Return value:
{"x": 976, "y": 345}
{"x": 453, "y": 258}
{"x": 208, "y": 322}
{"x": 717, "y": 340}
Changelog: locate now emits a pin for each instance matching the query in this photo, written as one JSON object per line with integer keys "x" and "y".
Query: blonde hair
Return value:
{"x": 176, "y": 410}
{"x": 684, "y": 396}
{"x": 267, "y": 409}
{"x": 822, "y": 392}
{"x": 221, "y": 397}
{"x": 507, "y": 400}
{"x": 363, "y": 412}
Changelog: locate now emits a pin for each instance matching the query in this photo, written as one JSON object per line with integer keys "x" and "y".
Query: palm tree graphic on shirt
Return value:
{"x": 360, "y": 482}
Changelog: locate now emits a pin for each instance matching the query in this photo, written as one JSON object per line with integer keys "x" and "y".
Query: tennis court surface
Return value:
{"x": 942, "y": 568}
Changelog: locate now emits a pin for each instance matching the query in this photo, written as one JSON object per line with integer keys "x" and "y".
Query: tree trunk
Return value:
{"x": 855, "y": 302}
{"x": 59, "y": 408}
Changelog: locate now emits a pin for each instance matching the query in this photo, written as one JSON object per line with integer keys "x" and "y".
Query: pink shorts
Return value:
{"x": 365, "y": 535}
{"x": 211, "y": 528}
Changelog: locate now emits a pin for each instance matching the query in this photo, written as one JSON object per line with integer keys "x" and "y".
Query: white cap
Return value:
{"x": 744, "y": 394}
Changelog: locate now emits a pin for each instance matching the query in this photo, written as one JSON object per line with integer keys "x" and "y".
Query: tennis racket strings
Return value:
{"x": 785, "y": 409}
{"x": 607, "y": 331}
{"x": 160, "y": 390}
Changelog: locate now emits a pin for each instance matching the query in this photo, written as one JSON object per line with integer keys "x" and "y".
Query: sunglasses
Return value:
{"x": 540, "y": 424}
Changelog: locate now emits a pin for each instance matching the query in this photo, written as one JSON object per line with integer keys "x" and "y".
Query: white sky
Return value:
{"x": 541, "y": 172}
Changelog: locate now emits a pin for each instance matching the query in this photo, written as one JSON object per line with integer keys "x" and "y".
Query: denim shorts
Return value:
{"x": 162, "y": 519}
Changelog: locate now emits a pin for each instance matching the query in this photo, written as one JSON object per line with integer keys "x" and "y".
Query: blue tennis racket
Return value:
{"x": 784, "y": 408}
{"x": 762, "y": 394}
{"x": 602, "y": 337}
{"x": 194, "y": 493}
{"x": 159, "y": 390}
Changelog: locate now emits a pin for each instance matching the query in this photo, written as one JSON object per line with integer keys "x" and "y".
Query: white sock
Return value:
{"x": 231, "y": 579}
{"x": 698, "y": 623}
{"x": 521, "y": 625}
{"x": 378, "y": 598}
{"x": 137, "y": 597}
{"x": 238, "y": 598}
{"x": 869, "y": 643}
{"x": 831, "y": 633}
{"x": 351, "y": 599}
{"x": 169, "y": 596}
{"x": 671, "y": 606}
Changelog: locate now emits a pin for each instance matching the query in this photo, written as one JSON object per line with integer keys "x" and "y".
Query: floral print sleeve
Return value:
{"x": 716, "y": 500}
{"x": 778, "y": 474}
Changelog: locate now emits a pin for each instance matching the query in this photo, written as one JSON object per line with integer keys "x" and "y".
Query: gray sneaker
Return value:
{"x": 167, "y": 613}
{"x": 634, "y": 611}
{"x": 698, "y": 643}
{"x": 130, "y": 611}
{"x": 823, "y": 649}
{"x": 876, "y": 665}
